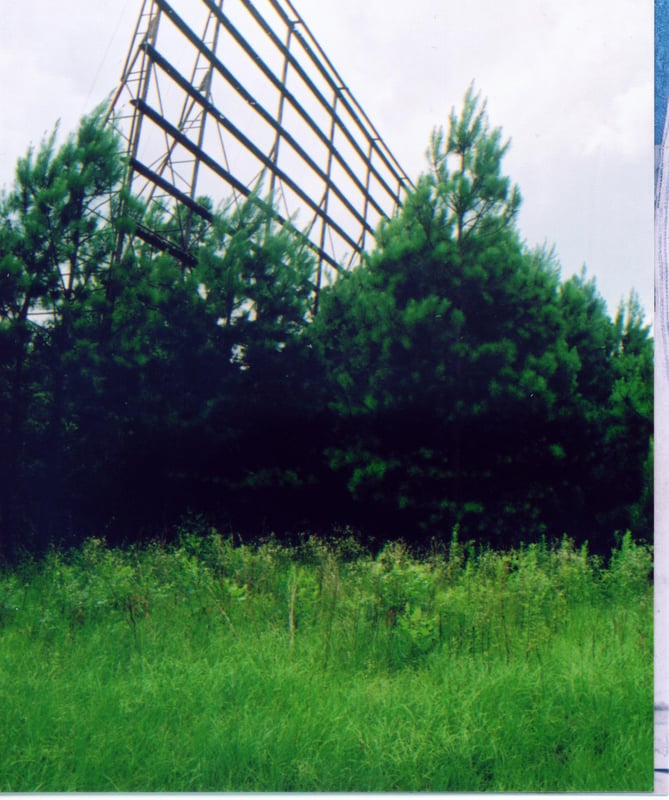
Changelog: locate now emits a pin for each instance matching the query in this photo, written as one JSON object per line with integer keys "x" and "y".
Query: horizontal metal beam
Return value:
{"x": 334, "y": 168}
{"x": 208, "y": 106}
{"x": 179, "y": 23}
{"x": 165, "y": 245}
{"x": 153, "y": 177}
{"x": 169, "y": 188}
{"x": 324, "y": 102}
{"x": 157, "y": 118}
{"x": 334, "y": 79}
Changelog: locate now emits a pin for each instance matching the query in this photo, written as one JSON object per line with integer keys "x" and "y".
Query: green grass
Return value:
{"x": 208, "y": 667}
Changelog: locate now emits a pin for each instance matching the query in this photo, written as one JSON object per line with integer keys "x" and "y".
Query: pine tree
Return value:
{"x": 55, "y": 249}
{"x": 468, "y": 382}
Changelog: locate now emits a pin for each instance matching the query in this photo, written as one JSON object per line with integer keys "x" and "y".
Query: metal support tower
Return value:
{"x": 219, "y": 98}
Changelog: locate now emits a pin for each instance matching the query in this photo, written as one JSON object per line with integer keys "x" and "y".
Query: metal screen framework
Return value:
{"x": 219, "y": 98}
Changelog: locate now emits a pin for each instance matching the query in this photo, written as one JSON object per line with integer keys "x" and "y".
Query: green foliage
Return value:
{"x": 130, "y": 380}
{"x": 479, "y": 201}
{"x": 469, "y": 384}
{"x": 205, "y": 666}
{"x": 55, "y": 248}
{"x": 630, "y": 568}
{"x": 452, "y": 380}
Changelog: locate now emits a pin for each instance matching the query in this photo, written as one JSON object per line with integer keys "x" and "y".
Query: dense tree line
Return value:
{"x": 452, "y": 379}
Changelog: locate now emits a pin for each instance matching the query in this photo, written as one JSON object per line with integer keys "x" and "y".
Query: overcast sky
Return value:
{"x": 569, "y": 81}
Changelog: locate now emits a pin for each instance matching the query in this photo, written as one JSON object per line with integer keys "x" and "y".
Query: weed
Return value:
{"x": 206, "y": 666}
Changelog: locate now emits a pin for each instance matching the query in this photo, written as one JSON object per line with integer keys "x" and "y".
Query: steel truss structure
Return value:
{"x": 221, "y": 98}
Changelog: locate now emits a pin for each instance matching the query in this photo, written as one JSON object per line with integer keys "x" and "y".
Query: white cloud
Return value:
{"x": 625, "y": 133}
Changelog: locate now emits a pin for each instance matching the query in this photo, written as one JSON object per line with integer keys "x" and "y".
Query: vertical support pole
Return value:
{"x": 130, "y": 59}
{"x": 398, "y": 200}
{"x": 370, "y": 155}
{"x": 279, "y": 114}
{"x": 143, "y": 84}
{"x": 326, "y": 198}
{"x": 205, "y": 88}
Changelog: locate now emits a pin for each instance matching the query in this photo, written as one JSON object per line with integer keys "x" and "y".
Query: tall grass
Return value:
{"x": 208, "y": 666}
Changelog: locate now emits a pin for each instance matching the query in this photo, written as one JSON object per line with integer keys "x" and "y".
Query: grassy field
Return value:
{"x": 208, "y": 667}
